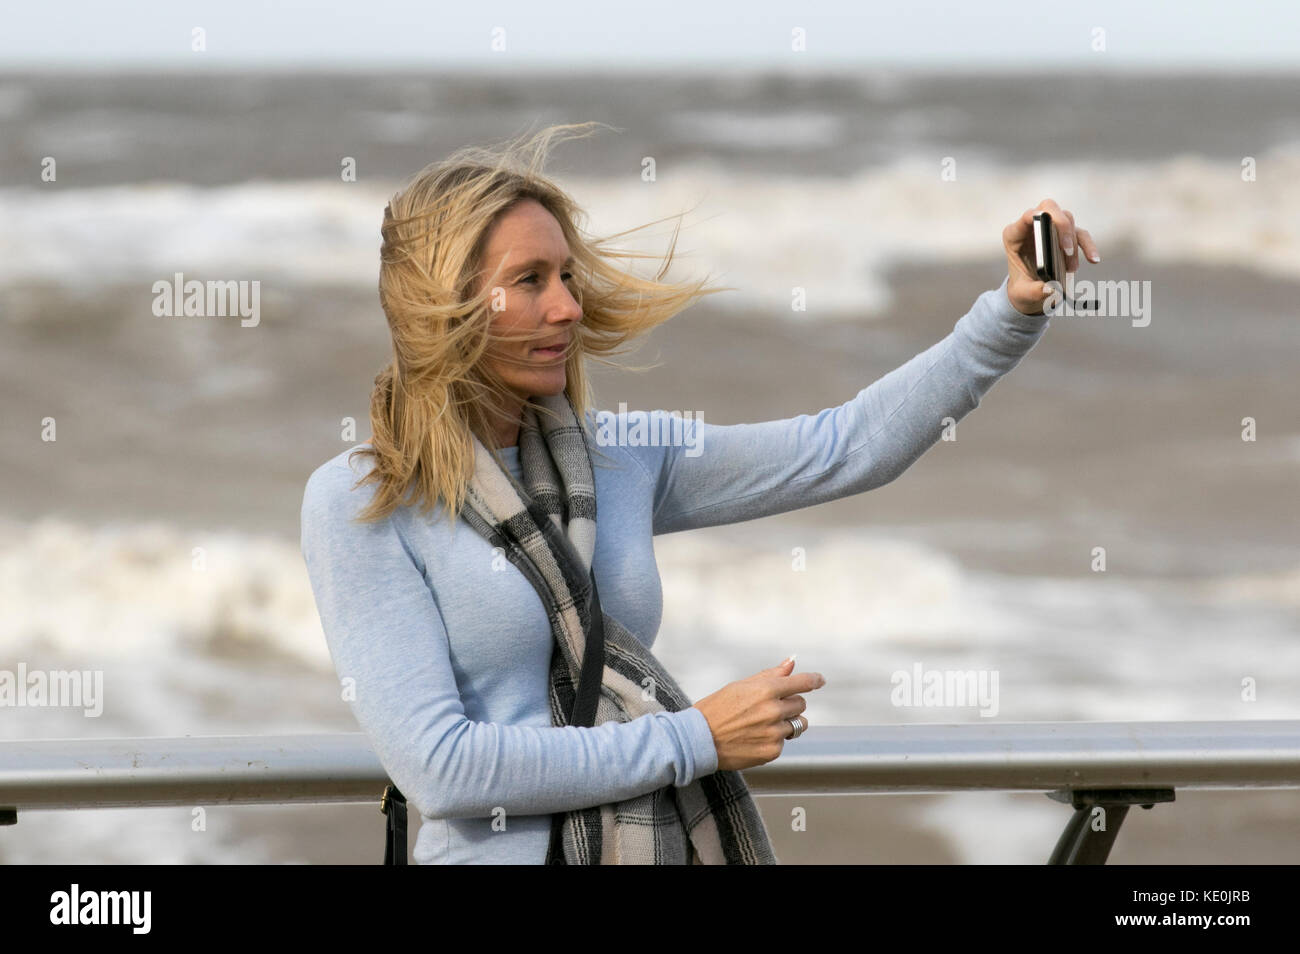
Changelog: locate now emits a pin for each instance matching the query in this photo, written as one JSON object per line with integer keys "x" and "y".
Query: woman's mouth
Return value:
{"x": 549, "y": 352}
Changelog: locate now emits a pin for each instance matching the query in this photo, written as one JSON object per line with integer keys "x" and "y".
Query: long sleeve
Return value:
{"x": 387, "y": 636}
{"x": 717, "y": 474}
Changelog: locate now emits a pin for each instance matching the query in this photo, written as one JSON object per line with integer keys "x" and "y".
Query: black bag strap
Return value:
{"x": 584, "y": 703}
{"x": 393, "y": 803}
{"x": 593, "y": 665}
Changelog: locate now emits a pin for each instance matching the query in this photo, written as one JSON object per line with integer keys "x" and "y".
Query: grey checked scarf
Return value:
{"x": 551, "y": 540}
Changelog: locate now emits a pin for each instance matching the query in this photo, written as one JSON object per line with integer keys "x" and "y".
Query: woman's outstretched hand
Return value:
{"x": 748, "y": 718}
{"x": 1025, "y": 289}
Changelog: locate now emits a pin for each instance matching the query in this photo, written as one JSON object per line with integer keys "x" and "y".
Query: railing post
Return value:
{"x": 1081, "y": 843}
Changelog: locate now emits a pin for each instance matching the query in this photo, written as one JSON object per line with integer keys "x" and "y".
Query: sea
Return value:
{"x": 1114, "y": 532}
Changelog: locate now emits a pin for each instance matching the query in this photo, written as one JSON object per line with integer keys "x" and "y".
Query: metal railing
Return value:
{"x": 1091, "y": 765}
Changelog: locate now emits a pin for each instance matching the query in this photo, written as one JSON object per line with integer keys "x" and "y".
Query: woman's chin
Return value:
{"x": 551, "y": 384}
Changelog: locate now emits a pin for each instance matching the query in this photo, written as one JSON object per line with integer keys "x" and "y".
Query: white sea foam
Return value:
{"x": 799, "y": 129}
{"x": 195, "y": 650}
{"x": 1089, "y": 647}
{"x": 115, "y": 589}
{"x": 763, "y": 234}
{"x": 236, "y": 648}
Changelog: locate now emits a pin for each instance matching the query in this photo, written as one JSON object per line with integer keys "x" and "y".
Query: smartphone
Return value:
{"x": 1049, "y": 260}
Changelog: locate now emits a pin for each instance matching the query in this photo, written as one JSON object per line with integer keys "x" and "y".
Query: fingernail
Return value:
{"x": 789, "y": 658}
{"x": 1067, "y": 247}
{"x": 1095, "y": 257}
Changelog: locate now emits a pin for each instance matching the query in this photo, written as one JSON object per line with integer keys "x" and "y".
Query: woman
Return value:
{"x": 455, "y": 560}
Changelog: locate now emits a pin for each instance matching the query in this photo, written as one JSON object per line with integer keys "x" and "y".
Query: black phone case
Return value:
{"x": 1047, "y": 249}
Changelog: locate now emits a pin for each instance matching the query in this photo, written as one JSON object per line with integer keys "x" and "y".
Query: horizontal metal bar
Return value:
{"x": 1034, "y": 756}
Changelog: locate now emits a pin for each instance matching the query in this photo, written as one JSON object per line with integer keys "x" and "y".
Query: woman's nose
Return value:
{"x": 567, "y": 308}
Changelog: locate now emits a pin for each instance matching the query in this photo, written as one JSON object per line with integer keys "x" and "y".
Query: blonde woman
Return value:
{"x": 499, "y": 647}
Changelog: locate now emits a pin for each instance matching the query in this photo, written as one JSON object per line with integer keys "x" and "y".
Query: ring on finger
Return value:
{"x": 798, "y": 724}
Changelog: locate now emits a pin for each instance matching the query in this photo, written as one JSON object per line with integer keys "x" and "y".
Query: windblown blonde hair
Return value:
{"x": 437, "y": 390}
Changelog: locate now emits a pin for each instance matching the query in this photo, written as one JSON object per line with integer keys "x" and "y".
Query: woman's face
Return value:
{"x": 533, "y": 294}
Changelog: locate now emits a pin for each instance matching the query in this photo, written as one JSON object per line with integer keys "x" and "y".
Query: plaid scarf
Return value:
{"x": 551, "y": 540}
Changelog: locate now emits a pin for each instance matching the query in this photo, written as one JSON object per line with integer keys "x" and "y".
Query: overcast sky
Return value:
{"x": 1002, "y": 34}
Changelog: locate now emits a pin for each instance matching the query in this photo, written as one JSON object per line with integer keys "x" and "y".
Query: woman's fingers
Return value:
{"x": 1024, "y": 289}
{"x": 792, "y": 706}
{"x": 787, "y": 729}
{"x": 1018, "y": 236}
{"x": 1088, "y": 245}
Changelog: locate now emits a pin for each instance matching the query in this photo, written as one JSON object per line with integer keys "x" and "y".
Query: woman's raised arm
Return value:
{"x": 745, "y": 471}
{"x": 386, "y": 634}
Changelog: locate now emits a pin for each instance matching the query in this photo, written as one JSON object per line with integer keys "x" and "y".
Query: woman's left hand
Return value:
{"x": 1024, "y": 289}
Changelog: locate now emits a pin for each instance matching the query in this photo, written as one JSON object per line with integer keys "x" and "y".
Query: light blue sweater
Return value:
{"x": 444, "y": 651}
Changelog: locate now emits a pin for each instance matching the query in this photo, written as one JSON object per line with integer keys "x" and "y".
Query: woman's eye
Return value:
{"x": 528, "y": 277}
